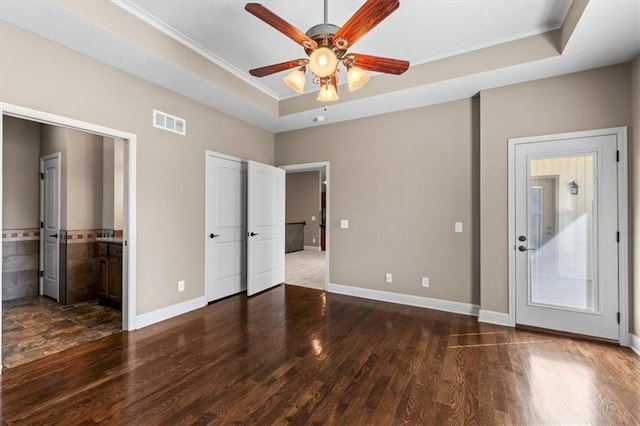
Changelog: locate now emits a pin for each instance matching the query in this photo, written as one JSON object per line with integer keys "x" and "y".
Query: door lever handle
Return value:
{"x": 54, "y": 236}
{"x": 253, "y": 234}
{"x": 213, "y": 235}
{"x": 523, "y": 248}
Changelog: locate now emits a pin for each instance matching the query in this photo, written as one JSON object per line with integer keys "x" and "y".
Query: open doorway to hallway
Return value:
{"x": 306, "y": 237}
{"x": 62, "y": 229}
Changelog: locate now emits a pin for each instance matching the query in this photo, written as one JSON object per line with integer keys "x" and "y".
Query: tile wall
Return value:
{"x": 20, "y": 263}
{"x": 79, "y": 263}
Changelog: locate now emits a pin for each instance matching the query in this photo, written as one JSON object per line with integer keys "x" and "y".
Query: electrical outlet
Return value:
{"x": 181, "y": 285}
{"x": 425, "y": 282}
{"x": 388, "y": 277}
{"x": 314, "y": 240}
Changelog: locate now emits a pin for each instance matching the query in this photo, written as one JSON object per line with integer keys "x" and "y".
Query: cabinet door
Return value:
{"x": 103, "y": 286}
{"x": 115, "y": 279}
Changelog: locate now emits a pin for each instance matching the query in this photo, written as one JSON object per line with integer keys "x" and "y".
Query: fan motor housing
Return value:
{"x": 323, "y": 35}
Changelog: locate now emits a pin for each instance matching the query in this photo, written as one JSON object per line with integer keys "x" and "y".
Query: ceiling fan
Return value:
{"x": 326, "y": 46}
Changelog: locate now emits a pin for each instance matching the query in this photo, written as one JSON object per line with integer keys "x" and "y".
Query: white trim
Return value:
{"x": 635, "y": 343}
{"x": 1, "y": 197}
{"x": 623, "y": 221}
{"x": 146, "y": 17}
{"x": 225, "y": 156}
{"x": 493, "y": 317}
{"x": 406, "y": 299}
{"x": 311, "y": 248}
{"x": 309, "y": 167}
{"x": 305, "y": 167}
{"x": 168, "y": 312}
{"x": 129, "y": 282}
{"x": 623, "y": 229}
{"x": 511, "y": 226}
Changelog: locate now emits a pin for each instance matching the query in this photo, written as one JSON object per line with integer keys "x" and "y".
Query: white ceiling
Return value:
{"x": 419, "y": 31}
{"x": 607, "y": 33}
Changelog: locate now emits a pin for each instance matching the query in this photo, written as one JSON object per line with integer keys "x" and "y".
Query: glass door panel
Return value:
{"x": 562, "y": 231}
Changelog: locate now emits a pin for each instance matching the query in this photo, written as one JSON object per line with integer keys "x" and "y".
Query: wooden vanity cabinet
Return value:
{"x": 110, "y": 287}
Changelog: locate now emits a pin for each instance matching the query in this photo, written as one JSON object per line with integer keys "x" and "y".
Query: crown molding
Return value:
{"x": 144, "y": 16}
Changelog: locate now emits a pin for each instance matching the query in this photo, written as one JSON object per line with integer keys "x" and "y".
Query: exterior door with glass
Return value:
{"x": 566, "y": 246}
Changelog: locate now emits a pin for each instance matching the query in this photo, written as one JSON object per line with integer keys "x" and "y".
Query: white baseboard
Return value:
{"x": 162, "y": 314}
{"x": 635, "y": 343}
{"x": 492, "y": 317}
{"x": 405, "y": 299}
{"x": 312, "y": 248}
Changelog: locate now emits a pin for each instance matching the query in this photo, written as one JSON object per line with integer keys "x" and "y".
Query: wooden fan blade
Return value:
{"x": 368, "y": 16}
{"x": 379, "y": 64}
{"x": 272, "y": 69}
{"x": 261, "y": 12}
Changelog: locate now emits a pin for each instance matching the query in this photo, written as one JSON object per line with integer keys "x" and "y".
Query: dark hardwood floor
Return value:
{"x": 296, "y": 355}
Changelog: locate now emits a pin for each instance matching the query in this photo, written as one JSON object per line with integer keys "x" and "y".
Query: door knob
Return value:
{"x": 253, "y": 234}
{"x": 213, "y": 235}
{"x": 522, "y": 238}
{"x": 523, "y": 248}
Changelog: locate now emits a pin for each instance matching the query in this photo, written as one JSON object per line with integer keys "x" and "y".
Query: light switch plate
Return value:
{"x": 344, "y": 224}
{"x": 313, "y": 218}
{"x": 458, "y": 227}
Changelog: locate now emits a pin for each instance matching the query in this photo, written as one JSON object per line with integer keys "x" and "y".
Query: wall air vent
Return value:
{"x": 165, "y": 121}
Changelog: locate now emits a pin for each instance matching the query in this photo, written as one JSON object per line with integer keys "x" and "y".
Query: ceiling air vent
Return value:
{"x": 165, "y": 121}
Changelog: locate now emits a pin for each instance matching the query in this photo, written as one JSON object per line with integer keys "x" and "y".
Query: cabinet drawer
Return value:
{"x": 115, "y": 250}
{"x": 103, "y": 249}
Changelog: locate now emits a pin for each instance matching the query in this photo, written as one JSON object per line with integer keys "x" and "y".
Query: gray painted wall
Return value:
{"x": 303, "y": 203}
{"x": 20, "y": 166}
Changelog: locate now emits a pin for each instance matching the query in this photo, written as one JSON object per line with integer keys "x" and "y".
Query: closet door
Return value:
{"x": 265, "y": 220}
{"x": 226, "y": 195}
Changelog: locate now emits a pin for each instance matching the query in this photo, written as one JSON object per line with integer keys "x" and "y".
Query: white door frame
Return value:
{"x": 312, "y": 167}
{"x": 623, "y": 221}
{"x": 43, "y": 158}
{"x": 129, "y": 251}
{"x": 207, "y": 250}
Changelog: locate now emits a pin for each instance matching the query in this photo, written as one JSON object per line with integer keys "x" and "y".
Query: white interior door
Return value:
{"x": 566, "y": 223}
{"x": 265, "y": 219}
{"x": 226, "y": 194}
{"x": 50, "y": 242}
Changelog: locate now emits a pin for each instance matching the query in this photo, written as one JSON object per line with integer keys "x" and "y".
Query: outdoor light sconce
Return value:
{"x": 573, "y": 187}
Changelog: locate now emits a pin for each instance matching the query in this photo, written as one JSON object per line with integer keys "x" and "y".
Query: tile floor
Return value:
{"x": 35, "y": 327}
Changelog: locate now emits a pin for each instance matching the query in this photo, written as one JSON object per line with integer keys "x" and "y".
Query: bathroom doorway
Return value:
{"x": 92, "y": 268}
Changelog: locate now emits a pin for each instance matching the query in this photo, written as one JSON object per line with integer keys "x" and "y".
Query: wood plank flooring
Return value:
{"x": 293, "y": 355}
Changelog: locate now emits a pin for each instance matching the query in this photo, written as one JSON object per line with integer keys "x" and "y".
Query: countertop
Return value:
{"x": 110, "y": 240}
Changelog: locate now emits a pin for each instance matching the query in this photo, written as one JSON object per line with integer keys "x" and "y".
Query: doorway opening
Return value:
{"x": 67, "y": 233}
{"x": 306, "y": 221}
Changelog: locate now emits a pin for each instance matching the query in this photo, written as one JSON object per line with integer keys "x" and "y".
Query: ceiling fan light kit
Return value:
{"x": 328, "y": 93}
{"x": 295, "y": 80}
{"x": 323, "y": 62}
{"x": 356, "y": 77}
{"x": 326, "y": 45}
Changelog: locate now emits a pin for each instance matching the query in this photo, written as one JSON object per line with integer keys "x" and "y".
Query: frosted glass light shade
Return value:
{"x": 356, "y": 78}
{"x": 323, "y": 62}
{"x": 328, "y": 93}
{"x": 295, "y": 80}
